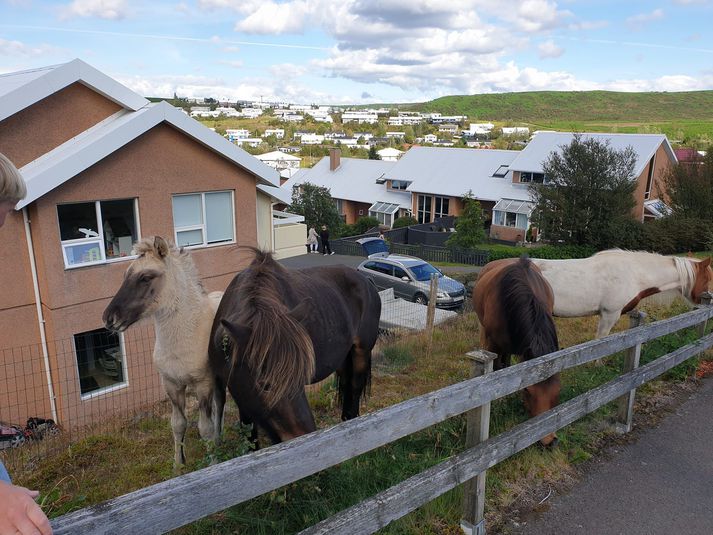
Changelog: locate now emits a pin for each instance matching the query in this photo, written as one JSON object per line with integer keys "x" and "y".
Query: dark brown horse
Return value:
{"x": 514, "y": 305}
{"x": 277, "y": 330}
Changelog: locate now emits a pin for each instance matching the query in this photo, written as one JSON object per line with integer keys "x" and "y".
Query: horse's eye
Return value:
{"x": 145, "y": 279}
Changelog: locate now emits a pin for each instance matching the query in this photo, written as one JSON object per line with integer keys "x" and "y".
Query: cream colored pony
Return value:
{"x": 163, "y": 283}
{"x": 611, "y": 283}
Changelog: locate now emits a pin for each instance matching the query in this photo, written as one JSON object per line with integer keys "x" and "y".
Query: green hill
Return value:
{"x": 577, "y": 106}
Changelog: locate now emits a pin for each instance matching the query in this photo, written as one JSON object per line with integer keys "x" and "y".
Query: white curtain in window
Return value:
{"x": 219, "y": 216}
{"x": 498, "y": 218}
{"x": 189, "y": 237}
{"x": 521, "y": 221}
{"x": 187, "y": 210}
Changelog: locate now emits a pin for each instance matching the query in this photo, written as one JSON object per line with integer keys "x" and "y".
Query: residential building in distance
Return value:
{"x": 516, "y": 131}
{"x": 389, "y": 154}
{"x": 360, "y": 117}
{"x": 279, "y": 133}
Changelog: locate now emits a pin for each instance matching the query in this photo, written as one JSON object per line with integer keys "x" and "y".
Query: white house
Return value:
{"x": 293, "y": 118}
{"x": 311, "y": 139}
{"x": 279, "y": 160}
{"x": 233, "y": 134}
{"x": 480, "y": 128}
{"x": 430, "y": 138}
{"x": 389, "y": 154}
{"x": 516, "y": 131}
{"x": 395, "y": 135}
{"x": 369, "y": 117}
{"x": 251, "y": 113}
{"x": 279, "y": 133}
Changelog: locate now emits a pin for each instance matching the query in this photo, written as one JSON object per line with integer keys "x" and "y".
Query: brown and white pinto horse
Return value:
{"x": 611, "y": 283}
{"x": 513, "y": 302}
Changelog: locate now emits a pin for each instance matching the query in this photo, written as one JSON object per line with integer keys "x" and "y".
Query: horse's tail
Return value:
{"x": 528, "y": 318}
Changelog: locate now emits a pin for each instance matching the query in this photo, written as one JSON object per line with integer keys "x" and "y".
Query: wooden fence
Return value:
{"x": 185, "y": 499}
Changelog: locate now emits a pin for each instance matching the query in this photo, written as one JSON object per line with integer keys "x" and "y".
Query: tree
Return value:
{"x": 469, "y": 225}
{"x": 373, "y": 155}
{"x": 690, "y": 188}
{"x": 404, "y": 221}
{"x": 590, "y": 187}
{"x": 317, "y": 206}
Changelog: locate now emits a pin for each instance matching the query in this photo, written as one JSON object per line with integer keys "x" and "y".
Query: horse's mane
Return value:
{"x": 279, "y": 349}
{"x": 529, "y": 322}
{"x": 180, "y": 257}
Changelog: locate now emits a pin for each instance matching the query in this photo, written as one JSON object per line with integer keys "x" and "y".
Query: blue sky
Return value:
{"x": 363, "y": 51}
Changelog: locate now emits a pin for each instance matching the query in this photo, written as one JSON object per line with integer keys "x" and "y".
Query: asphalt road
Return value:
{"x": 661, "y": 484}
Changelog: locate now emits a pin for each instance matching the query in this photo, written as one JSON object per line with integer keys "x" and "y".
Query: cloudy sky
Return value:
{"x": 364, "y": 51}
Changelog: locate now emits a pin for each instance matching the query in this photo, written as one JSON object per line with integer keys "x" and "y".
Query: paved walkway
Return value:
{"x": 661, "y": 484}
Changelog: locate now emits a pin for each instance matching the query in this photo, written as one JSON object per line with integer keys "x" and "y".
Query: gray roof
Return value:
{"x": 454, "y": 172}
{"x": 543, "y": 143}
{"x": 353, "y": 180}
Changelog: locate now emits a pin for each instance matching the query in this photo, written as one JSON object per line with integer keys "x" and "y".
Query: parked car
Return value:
{"x": 410, "y": 277}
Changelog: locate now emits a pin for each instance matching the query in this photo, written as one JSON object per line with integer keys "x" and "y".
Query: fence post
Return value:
{"x": 431, "y": 312}
{"x": 478, "y": 430}
{"x": 625, "y": 411}
{"x": 706, "y": 300}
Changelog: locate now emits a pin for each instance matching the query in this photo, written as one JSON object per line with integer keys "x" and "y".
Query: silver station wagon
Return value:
{"x": 410, "y": 277}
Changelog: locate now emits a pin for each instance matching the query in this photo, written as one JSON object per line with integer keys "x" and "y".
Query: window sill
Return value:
{"x": 101, "y": 262}
{"x": 103, "y": 391}
{"x": 207, "y": 246}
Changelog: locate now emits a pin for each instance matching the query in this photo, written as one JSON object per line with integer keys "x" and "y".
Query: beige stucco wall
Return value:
{"x": 290, "y": 240}
{"x": 351, "y": 210}
{"x": 38, "y": 129}
{"x": 264, "y": 222}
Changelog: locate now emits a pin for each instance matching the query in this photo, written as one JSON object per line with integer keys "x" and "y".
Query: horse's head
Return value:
{"x": 703, "y": 278}
{"x": 541, "y": 397}
{"x": 140, "y": 294}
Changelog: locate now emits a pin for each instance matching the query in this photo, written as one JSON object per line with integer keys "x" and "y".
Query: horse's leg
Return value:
{"x": 177, "y": 395}
{"x": 206, "y": 424}
{"x": 504, "y": 359}
{"x": 607, "y": 320}
{"x": 218, "y": 408}
{"x": 357, "y": 373}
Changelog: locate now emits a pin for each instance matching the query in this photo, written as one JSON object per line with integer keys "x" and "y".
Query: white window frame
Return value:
{"x": 203, "y": 227}
{"x": 106, "y": 390}
{"x": 99, "y": 239}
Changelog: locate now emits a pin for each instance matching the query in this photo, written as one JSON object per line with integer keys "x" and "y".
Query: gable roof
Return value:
{"x": 81, "y": 152}
{"x": 277, "y": 155}
{"x": 19, "y": 90}
{"x": 530, "y": 159}
{"x": 453, "y": 172}
{"x": 354, "y": 180}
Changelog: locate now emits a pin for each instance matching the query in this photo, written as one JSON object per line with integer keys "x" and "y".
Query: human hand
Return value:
{"x": 19, "y": 514}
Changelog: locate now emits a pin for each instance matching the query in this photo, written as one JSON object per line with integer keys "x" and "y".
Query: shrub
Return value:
{"x": 405, "y": 221}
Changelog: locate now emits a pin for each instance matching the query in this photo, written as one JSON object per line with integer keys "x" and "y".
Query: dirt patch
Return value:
{"x": 705, "y": 368}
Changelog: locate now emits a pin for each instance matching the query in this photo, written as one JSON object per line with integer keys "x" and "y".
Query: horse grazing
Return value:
{"x": 163, "y": 283}
{"x": 514, "y": 305}
{"x": 277, "y": 330}
{"x": 611, "y": 283}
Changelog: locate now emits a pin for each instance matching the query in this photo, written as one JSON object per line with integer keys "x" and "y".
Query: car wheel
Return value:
{"x": 420, "y": 299}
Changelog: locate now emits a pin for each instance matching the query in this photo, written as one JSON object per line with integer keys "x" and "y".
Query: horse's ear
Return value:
{"x": 161, "y": 246}
{"x": 236, "y": 332}
{"x": 706, "y": 262}
{"x": 302, "y": 311}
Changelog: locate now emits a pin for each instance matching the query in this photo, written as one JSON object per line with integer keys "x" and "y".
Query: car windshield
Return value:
{"x": 422, "y": 272}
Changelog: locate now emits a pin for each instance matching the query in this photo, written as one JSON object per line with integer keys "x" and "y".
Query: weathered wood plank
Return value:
{"x": 382, "y": 509}
{"x": 625, "y": 410}
{"x": 179, "y": 501}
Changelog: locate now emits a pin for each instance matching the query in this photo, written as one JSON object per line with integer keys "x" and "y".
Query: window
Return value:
{"x": 399, "y": 184}
{"x": 510, "y": 219}
{"x": 97, "y": 232}
{"x": 501, "y": 171}
{"x": 650, "y": 177}
{"x": 204, "y": 218}
{"x": 424, "y": 209}
{"x": 379, "y": 267}
{"x": 400, "y": 273}
{"x": 101, "y": 361}
{"x": 538, "y": 178}
{"x": 441, "y": 207}
{"x": 384, "y": 212}
{"x": 339, "y": 203}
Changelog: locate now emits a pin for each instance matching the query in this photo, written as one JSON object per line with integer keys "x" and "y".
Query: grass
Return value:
{"x": 110, "y": 464}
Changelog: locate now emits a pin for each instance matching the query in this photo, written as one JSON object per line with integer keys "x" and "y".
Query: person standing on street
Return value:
{"x": 312, "y": 241}
{"x": 324, "y": 236}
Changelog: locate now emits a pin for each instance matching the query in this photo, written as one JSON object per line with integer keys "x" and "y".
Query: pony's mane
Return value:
{"x": 180, "y": 256}
{"x": 529, "y": 322}
{"x": 686, "y": 275}
{"x": 279, "y": 350}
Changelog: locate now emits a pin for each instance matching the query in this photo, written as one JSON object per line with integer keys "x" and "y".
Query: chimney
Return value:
{"x": 334, "y": 158}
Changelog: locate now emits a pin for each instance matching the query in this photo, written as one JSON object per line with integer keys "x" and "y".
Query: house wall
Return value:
{"x": 662, "y": 161}
{"x": 36, "y": 130}
{"x": 455, "y": 205}
{"x": 351, "y": 210}
{"x": 264, "y": 222}
{"x": 507, "y": 233}
{"x": 156, "y": 165}
{"x": 290, "y": 240}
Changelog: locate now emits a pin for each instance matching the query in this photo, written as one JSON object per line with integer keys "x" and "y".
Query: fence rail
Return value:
{"x": 179, "y": 501}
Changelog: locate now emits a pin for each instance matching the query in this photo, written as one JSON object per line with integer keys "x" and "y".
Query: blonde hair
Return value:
{"x": 12, "y": 186}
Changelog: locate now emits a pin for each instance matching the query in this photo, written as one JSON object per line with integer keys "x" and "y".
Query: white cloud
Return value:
{"x": 103, "y": 9}
{"x": 637, "y": 22}
{"x": 549, "y": 49}
{"x": 234, "y": 63}
{"x": 16, "y": 48}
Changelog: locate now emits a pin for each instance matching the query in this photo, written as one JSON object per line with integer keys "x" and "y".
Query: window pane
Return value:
{"x": 73, "y": 217}
{"x": 187, "y": 211}
{"x": 509, "y": 219}
{"x": 99, "y": 360}
{"x": 444, "y": 209}
{"x": 521, "y": 221}
{"x": 219, "y": 216}
{"x": 119, "y": 227}
{"x": 498, "y": 218}
{"x": 189, "y": 237}
{"x": 82, "y": 253}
